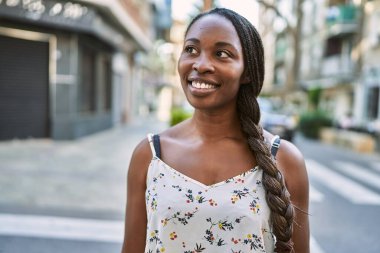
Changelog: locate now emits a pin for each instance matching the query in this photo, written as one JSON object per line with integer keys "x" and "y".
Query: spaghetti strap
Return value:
{"x": 154, "y": 142}
{"x": 150, "y": 139}
{"x": 275, "y": 145}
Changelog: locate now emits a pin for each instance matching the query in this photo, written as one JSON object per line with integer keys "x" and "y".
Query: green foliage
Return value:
{"x": 178, "y": 115}
{"x": 314, "y": 96}
{"x": 311, "y": 123}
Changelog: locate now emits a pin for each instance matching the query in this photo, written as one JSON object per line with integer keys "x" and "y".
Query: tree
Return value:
{"x": 207, "y": 5}
{"x": 358, "y": 45}
{"x": 294, "y": 30}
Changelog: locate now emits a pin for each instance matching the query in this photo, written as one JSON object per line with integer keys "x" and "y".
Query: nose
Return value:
{"x": 203, "y": 64}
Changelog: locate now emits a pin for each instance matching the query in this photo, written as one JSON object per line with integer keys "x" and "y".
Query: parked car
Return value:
{"x": 275, "y": 121}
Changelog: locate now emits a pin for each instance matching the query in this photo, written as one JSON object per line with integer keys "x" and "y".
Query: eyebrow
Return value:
{"x": 218, "y": 44}
{"x": 224, "y": 44}
{"x": 193, "y": 40}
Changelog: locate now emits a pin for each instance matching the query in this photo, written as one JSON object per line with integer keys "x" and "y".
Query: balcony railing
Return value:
{"x": 342, "y": 19}
{"x": 338, "y": 65}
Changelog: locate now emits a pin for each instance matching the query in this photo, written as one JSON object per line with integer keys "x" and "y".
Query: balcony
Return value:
{"x": 337, "y": 66}
{"x": 335, "y": 70}
{"x": 342, "y": 20}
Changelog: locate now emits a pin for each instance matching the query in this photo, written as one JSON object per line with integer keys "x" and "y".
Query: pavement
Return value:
{"x": 83, "y": 178}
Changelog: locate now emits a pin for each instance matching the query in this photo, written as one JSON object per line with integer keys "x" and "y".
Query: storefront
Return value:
{"x": 65, "y": 69}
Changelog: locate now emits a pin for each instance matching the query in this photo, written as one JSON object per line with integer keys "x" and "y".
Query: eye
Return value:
{"x": 222, "y": 54}
{"x": 190, "y": 50}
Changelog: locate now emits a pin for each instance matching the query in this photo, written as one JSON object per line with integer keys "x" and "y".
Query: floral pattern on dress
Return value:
{"x": 186, "y": 216}
{"x": 191, "y": 197}
{"x": 182, "y": 218}
{"x": 213, "y": 237}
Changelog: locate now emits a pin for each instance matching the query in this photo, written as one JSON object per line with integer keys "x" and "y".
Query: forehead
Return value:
{"x": 214, "y": 27}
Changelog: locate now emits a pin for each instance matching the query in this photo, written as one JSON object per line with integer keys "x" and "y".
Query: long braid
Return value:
{"x": 277, "y": 196}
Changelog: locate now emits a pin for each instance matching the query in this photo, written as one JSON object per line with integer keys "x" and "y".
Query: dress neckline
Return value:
{"x": 205, "y": 186}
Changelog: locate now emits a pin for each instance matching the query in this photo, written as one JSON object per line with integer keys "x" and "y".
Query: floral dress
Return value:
{"x": 186, "y": 216}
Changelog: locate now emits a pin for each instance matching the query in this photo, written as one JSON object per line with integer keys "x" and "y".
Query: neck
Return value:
{"x": 216, "y": 125}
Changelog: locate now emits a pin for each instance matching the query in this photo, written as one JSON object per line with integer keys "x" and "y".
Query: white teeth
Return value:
{"x": 200, "y": 85}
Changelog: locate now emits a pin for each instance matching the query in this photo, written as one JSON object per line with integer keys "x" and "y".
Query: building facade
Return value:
{"x": 337, "y": 70}
{"x": 331, "y": 55}
{"x": 70, "y": 68}
{"x": 367, "y": 102}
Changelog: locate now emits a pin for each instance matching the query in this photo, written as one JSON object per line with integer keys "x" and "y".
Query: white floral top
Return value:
{"x": 186, "y": 216}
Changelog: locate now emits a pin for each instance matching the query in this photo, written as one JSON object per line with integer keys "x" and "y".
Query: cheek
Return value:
{"x": 182, "y": 72}
{"x": 182, "y": 66}
{"x": 236, "y": 74}
{"x": 242, "y": 77}
{"x": 179, "y": 64}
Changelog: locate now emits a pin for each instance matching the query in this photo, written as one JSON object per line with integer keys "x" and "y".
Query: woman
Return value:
{"x": 215, "y": 182}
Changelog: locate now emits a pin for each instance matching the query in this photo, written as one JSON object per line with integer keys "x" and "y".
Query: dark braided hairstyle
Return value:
{"x": 277, "y": 196}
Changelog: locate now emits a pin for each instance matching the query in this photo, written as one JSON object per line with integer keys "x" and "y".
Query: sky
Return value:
{"x": 246, "y": 8}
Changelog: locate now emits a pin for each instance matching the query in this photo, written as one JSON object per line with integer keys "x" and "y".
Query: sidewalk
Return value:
{"x": 84, "y": 178}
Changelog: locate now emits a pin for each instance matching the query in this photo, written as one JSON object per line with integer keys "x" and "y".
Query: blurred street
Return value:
{"x": 344, "y": 198}
{"x": 69, "y": 196}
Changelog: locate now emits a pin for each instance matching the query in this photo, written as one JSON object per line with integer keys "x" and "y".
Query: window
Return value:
{"x": 333, "y": 47}
{"x": 87, "y": 86}
{"x": 107, "y": 84}
{"x": 373, "y": 103}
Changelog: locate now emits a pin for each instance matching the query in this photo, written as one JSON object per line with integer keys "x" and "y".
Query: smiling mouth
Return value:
{"x": 202, "y": 85}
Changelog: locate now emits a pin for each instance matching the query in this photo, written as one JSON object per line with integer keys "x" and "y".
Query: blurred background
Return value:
{"x": 83, "y": 81}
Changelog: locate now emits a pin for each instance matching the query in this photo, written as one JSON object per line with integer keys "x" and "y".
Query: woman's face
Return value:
{"x": 211, "y": 64}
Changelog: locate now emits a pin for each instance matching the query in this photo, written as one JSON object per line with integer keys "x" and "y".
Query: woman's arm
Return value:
{"x": 136, "y": 220}
{"x": 292, "y": 165}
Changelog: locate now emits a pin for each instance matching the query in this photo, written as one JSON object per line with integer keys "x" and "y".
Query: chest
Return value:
{"x": 209, "y": 164}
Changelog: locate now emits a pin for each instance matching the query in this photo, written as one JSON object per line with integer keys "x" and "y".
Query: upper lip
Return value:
{"x": 200, "y": 80}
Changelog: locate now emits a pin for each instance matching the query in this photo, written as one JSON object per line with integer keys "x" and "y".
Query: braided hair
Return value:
{"x": 277, "y": 196}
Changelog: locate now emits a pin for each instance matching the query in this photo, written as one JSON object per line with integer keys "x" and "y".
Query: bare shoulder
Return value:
{"x": 291, "y": 163}
{"x": 141, "y": 157}
{"x": 142, "y": 150}
{"x": 290, "y": 158}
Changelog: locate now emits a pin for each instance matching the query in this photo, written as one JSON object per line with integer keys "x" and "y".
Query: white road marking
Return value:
{"x": 345, "y": 187}
{"x": 61, "y": 228}
{"x": 314, "y": 246}
{"x": 359, "y": 172}
{"x": 376, "y": 166}
{"x": 75, "y": 229}
{"x": 315, "y": 195}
